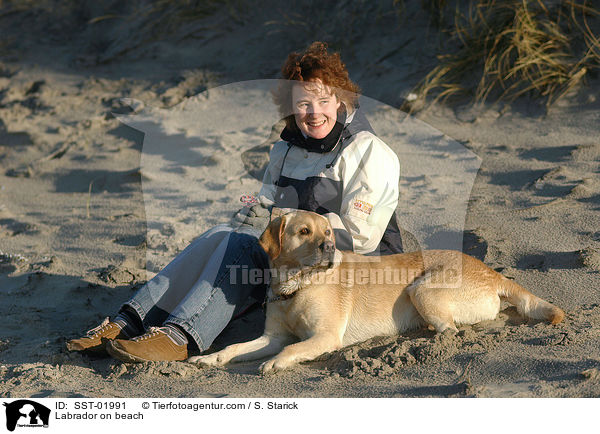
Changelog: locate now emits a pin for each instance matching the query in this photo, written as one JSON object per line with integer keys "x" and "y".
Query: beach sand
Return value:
{"x": 81, "y": 226}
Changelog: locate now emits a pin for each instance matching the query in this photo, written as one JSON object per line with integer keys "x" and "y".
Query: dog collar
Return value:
{"x": 283, "y": 297}
{"x": 277, "y": 298}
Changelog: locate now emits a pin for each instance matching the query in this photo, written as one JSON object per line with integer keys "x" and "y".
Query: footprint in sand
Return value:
{"x": 15, "y": 139}
{"x": 552, "y": 154}
{"x": 131, "y": 240}
{"x": 10, "y": 227}
{"x": 215, "y": 186}
{"x": 590, "y": 258}
{"x": 586, "y": 153}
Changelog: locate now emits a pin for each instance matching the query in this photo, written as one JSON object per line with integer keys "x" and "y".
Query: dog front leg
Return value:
{"x": 302, "y": 351}
{"x": 263, "y": 346}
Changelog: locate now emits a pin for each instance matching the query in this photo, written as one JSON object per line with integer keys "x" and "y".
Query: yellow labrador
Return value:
{"x": 328, "y": 299}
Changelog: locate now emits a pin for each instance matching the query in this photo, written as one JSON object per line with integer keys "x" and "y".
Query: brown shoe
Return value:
{"x": 156, "y": 345}
{"x": 96, "y": 338}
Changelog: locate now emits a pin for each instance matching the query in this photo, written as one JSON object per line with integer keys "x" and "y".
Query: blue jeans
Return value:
{"x": 206, "y": 285}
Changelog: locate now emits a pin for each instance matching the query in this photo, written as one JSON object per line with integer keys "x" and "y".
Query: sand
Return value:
{"x": 81, "y": 226}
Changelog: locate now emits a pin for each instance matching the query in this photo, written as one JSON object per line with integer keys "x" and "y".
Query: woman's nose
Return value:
{"x": 312, "y": 109}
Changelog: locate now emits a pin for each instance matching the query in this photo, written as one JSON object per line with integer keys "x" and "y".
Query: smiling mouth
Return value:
{"x": 316, "y": 124}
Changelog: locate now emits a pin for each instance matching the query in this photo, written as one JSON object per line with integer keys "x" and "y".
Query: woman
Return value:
{"x": 329, "y": 161}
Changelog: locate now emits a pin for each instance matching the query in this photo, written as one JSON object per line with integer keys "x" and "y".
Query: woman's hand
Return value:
{"x": 257, "y": 216}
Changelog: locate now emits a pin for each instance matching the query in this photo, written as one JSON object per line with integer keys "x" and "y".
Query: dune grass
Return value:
{"x": 509, "y": 48}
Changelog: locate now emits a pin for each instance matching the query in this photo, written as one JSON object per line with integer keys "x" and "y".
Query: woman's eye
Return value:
{"x": 304, "y": 231}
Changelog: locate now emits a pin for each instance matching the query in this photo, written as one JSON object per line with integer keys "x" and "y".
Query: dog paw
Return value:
{"x": 214, "y": 359}
{"x": 450, "y": 331}
{"x": 274, "y": 365}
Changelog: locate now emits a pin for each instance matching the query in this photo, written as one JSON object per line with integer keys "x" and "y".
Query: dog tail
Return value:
{"x": 528, "y": 304}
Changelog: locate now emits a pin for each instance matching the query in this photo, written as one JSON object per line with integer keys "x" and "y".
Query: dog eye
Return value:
{"x": 304, "y": 231}
{"x": 327, "y": 232}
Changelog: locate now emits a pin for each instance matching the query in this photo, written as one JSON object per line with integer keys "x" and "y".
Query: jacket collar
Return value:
{"x": 352, "y": 124}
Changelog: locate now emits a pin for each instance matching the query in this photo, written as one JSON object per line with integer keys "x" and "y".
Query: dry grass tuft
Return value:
{"x": 514, "y": 47}
{"x": 436, "y": 10}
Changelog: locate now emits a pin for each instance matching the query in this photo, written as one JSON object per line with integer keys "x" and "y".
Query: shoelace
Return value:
{"x": 152, "y": 331}
{"x": 99, "y": 329}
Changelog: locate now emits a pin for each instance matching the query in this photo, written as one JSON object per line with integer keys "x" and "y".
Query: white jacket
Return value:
{"x": 355, "y": 186}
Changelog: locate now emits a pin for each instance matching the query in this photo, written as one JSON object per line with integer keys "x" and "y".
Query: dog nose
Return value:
{"x": 328, "y": 247}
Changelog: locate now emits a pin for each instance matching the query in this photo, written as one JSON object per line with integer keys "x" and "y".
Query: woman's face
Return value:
{"x": 315, "y": 108}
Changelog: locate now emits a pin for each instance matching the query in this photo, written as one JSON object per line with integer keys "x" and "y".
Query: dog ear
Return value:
{"x": 271, "y": 238}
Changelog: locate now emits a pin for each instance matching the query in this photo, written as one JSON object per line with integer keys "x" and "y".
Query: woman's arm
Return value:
{"x": 266, "y": 195}
{"x": 370, "y": 171}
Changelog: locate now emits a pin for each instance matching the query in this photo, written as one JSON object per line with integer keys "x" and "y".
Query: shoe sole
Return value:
{"x": 97, "y": 350}
{"x": 123, "y": 355}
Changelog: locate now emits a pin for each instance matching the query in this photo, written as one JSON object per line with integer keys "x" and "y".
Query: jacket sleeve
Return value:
{"x": 370, "y": 171}
{"x": 266, "y": 195}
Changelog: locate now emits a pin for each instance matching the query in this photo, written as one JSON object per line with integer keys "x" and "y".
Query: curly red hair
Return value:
{"x": 312, "y": 64}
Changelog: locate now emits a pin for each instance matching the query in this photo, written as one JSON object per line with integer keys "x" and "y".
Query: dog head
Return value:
{"x": 300, "y": 239}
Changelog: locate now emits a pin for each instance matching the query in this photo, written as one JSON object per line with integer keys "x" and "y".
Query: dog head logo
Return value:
{"x": 26, "y": 413}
